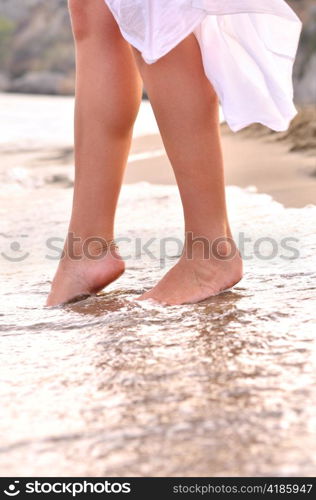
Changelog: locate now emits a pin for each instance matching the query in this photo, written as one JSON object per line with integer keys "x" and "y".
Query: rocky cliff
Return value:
{"x": 37, "y": 54}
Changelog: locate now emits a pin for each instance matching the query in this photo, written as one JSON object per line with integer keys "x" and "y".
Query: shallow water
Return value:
{"x": 108, "y": 386}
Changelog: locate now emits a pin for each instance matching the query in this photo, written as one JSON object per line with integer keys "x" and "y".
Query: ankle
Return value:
{"x": 219, "y": 245}
{"x": 89, "y": 247}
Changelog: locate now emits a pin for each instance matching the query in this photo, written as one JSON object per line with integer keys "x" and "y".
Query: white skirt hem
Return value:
{"x": 248, "y": 53}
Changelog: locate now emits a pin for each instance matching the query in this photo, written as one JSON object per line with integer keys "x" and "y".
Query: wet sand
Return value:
{"x": 267, "y": 165}
{"x": 251, "y": 159}
{"x": 290, "y": 178}
{"x": 113, "y": 387}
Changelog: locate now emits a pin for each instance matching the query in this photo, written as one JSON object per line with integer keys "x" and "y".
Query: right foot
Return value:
{"x": 198, "y": 276}
{"x": 76, "y": 278}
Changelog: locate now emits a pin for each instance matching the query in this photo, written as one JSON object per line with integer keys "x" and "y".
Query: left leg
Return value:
{"x": 108, "y": 96}
{"x": 186, "y": 109}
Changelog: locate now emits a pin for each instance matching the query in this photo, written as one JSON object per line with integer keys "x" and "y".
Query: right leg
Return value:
{"x": 186, "y": 108}
{"x": 108, "y": 96}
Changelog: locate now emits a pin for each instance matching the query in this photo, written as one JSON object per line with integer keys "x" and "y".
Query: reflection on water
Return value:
{"x": 110, "y": 386}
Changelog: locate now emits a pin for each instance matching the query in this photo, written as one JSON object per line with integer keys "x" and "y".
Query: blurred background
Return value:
{"x": 37, "y": 54}
{"x": 37, "y": 77}
{"x": 37, "y": 80}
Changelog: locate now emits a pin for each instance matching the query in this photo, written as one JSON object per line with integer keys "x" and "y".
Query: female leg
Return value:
{"x": 108, "y": 95}
{"x": 186, "y": 109}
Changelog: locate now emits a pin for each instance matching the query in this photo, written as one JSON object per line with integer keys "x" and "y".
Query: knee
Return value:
{"x": 91, "y": 17}
{"x": 79, "y": 18}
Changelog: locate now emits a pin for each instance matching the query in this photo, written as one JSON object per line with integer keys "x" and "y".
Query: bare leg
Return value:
{"x": 186, "y": 108}
{"x": 108, "y": 95}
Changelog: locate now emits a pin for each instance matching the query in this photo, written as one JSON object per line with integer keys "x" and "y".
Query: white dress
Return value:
{"x": 248, "y": 49}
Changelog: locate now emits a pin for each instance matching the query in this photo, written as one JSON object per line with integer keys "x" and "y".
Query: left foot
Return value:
{"x": 78, "y": 278}
{"x": 196, "y": 279}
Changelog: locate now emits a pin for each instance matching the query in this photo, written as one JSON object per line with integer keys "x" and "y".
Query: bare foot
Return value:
{"x": 85, "y": 275}
{"x": 195, "y": 279}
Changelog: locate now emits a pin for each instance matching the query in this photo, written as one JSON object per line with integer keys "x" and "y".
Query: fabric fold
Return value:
{"x": 248, "y": 49}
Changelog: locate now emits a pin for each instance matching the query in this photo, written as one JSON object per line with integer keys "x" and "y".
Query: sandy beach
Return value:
{"x": 113, "y": 387}
{"x": 262, "y": 161}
